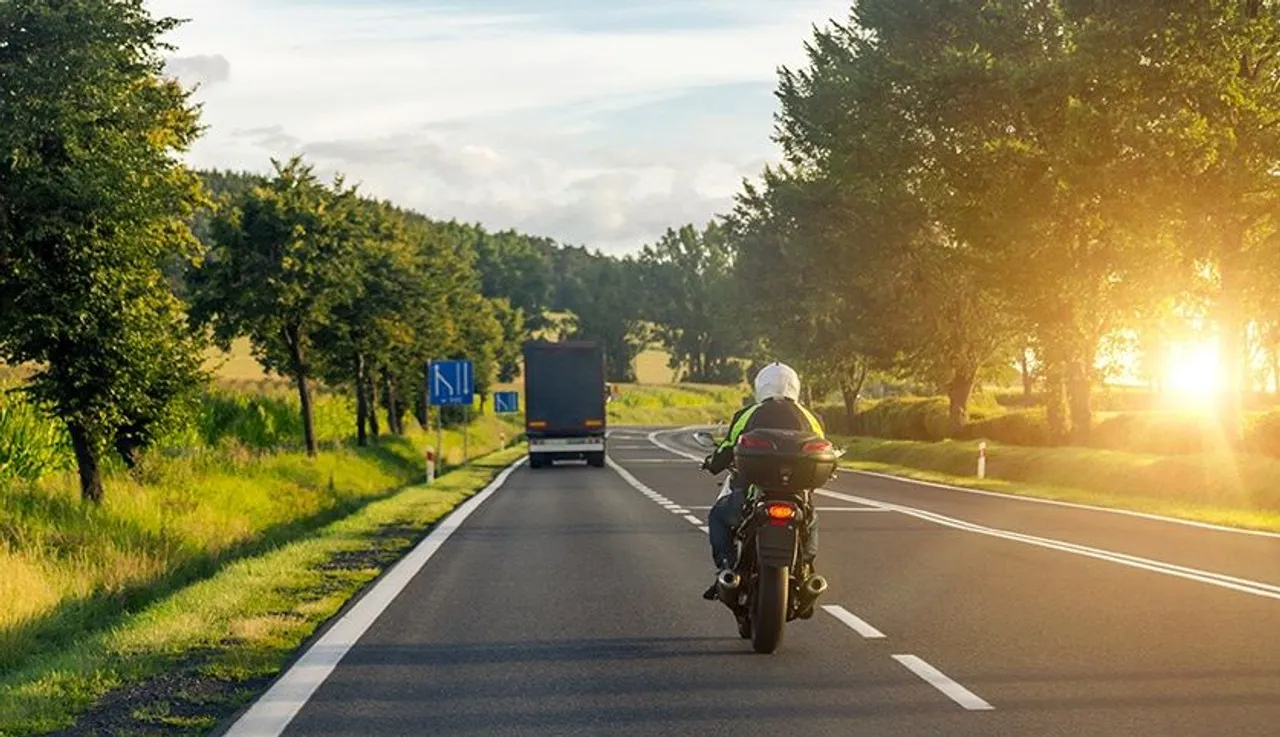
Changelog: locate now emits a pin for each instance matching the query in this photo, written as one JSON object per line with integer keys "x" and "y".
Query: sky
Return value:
{"x": 594, "y": 122}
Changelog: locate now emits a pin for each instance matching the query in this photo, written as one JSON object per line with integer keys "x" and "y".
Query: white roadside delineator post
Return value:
{"x": 982, "y": 460}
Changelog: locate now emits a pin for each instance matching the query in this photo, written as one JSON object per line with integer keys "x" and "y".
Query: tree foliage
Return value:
{"x": 686, "y": 280}
{"x": 93, "y": 203}
{"x": 961, "y": 180}
{"x": 284, "y": 258}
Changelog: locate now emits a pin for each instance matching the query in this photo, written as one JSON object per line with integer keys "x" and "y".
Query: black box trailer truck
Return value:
{"x": 565, "y": 394}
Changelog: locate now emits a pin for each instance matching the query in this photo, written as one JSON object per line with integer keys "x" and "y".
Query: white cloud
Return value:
{"x": 199, "y": 70}
{"x": 587, "y": 122}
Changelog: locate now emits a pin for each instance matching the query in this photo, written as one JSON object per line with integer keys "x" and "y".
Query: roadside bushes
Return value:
{"x": 1027, "y": 428}
{"x": 266, "y": 421}
{"x": 905, "y": 418}
{"x": 31, "y": 445}
{"x": 1151, "y": 432}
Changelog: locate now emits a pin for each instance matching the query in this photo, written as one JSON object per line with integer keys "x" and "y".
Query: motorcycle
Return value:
{"x": 782, "y": 469}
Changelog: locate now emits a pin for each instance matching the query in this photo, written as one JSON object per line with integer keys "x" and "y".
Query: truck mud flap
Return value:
{"x": 776, "y": 545}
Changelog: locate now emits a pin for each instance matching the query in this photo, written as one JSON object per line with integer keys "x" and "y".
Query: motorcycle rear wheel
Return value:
{"x": 770, "y": 615}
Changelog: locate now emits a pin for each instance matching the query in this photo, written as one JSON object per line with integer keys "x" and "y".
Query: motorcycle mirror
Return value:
{"x": 704, "y": 439}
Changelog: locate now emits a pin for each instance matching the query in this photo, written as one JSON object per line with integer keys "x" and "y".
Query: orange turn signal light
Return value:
{"x": 537, "y": 424}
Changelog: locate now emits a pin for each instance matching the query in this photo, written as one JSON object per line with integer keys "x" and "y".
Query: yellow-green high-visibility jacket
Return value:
{"x": 778, "y": 414}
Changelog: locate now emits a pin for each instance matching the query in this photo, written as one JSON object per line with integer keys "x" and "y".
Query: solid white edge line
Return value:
{"x": 946, "y": 685}
{"x": 853, "y": 621}
{"x": 272, "y": 712}
{"x": 653, "y": 438}
{"x": 1257, "y": 588}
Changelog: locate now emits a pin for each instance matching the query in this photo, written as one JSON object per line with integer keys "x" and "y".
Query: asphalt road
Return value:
{"x": 568, "y": 603}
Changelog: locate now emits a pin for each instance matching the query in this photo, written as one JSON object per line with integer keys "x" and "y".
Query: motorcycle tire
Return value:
{"x": 770, "y": 615}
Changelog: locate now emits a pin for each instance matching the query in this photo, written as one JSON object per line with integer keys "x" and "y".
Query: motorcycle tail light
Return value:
{"x": 781, "y": 512}
{"x": 746, "y": 441}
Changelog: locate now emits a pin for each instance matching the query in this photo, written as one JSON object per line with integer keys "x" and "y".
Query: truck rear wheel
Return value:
{"x": 536, "y": 462}
{"x": 596, "y": 460}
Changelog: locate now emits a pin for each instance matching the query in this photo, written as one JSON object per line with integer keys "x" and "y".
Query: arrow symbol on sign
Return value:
{"x": 440, "y": 380}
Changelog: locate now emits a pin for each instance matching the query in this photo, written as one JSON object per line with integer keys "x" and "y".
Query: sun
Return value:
{"x": 1192, "y": 371}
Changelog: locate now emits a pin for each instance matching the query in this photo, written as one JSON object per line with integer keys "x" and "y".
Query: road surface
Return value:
{"x": 568, "y": 603}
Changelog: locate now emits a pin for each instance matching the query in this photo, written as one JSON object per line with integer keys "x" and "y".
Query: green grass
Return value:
{"x": 70, "y": 568}
{"x": 31, "y": 445}
{"x": 683, "y": 404}
{"x": 219, "y": 640}
{"x": 1234, "y": 490}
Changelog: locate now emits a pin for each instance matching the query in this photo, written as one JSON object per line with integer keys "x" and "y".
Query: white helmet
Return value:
{"x": 777, "y": 381}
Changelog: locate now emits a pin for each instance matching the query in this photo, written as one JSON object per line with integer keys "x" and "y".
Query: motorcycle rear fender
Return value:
{"x": 776, "y": 545}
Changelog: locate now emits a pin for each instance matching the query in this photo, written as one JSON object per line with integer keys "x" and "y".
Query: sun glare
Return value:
{"x": 1192, "y": 371}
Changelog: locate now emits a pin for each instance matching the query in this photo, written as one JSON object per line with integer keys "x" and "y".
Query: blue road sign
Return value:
{"x": 451, "y": 383}
{"x": 506, "y": 401}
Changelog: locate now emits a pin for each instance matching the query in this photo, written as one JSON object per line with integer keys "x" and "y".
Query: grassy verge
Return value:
{"x": 1234, "y": 490}
{"x": 189, "y": 660}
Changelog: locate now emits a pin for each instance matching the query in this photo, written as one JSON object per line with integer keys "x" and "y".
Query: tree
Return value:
{"x": 285, "y": 255}
{"x": 1203, "y": 83}
{"x": 480, "y": 339}
{"x": 515, "y": 268}
{"x": 92, "y": 203}
{"x": 381, "y": 321}
{"x": 605, "y": 301}
{"x": 1019, "y": 147}
{"x": 848, "y": 245}
{"x": 509, "y": 354}
{"x": 686, "y": 280}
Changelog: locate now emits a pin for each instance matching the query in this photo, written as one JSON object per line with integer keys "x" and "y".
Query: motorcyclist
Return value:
{"x": 777, "y": 406}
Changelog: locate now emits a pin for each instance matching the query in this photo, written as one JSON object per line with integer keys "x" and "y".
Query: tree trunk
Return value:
{"x": 958, "y": 392}
{"x": 850, "y": 396}
{"x": 1078, "y": 390}
{"x": 87, "y": 463}
{"x": 1231, "y": 344}
{"x": 850, "y": 391}
{"x": 394, "y": 425}
{"x": 294, "y": 339}
{"x": 1055, "y": 399}
{"x": 362, "y": 403}
{"x": 371, "y": 391}
{"x": 1028, "y": 381}
{"x": 422, "y": 407}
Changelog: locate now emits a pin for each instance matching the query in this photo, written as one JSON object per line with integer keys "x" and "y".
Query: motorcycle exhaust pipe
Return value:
{"x": 727, "y": 584}
{"x": 816, "y": 586}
